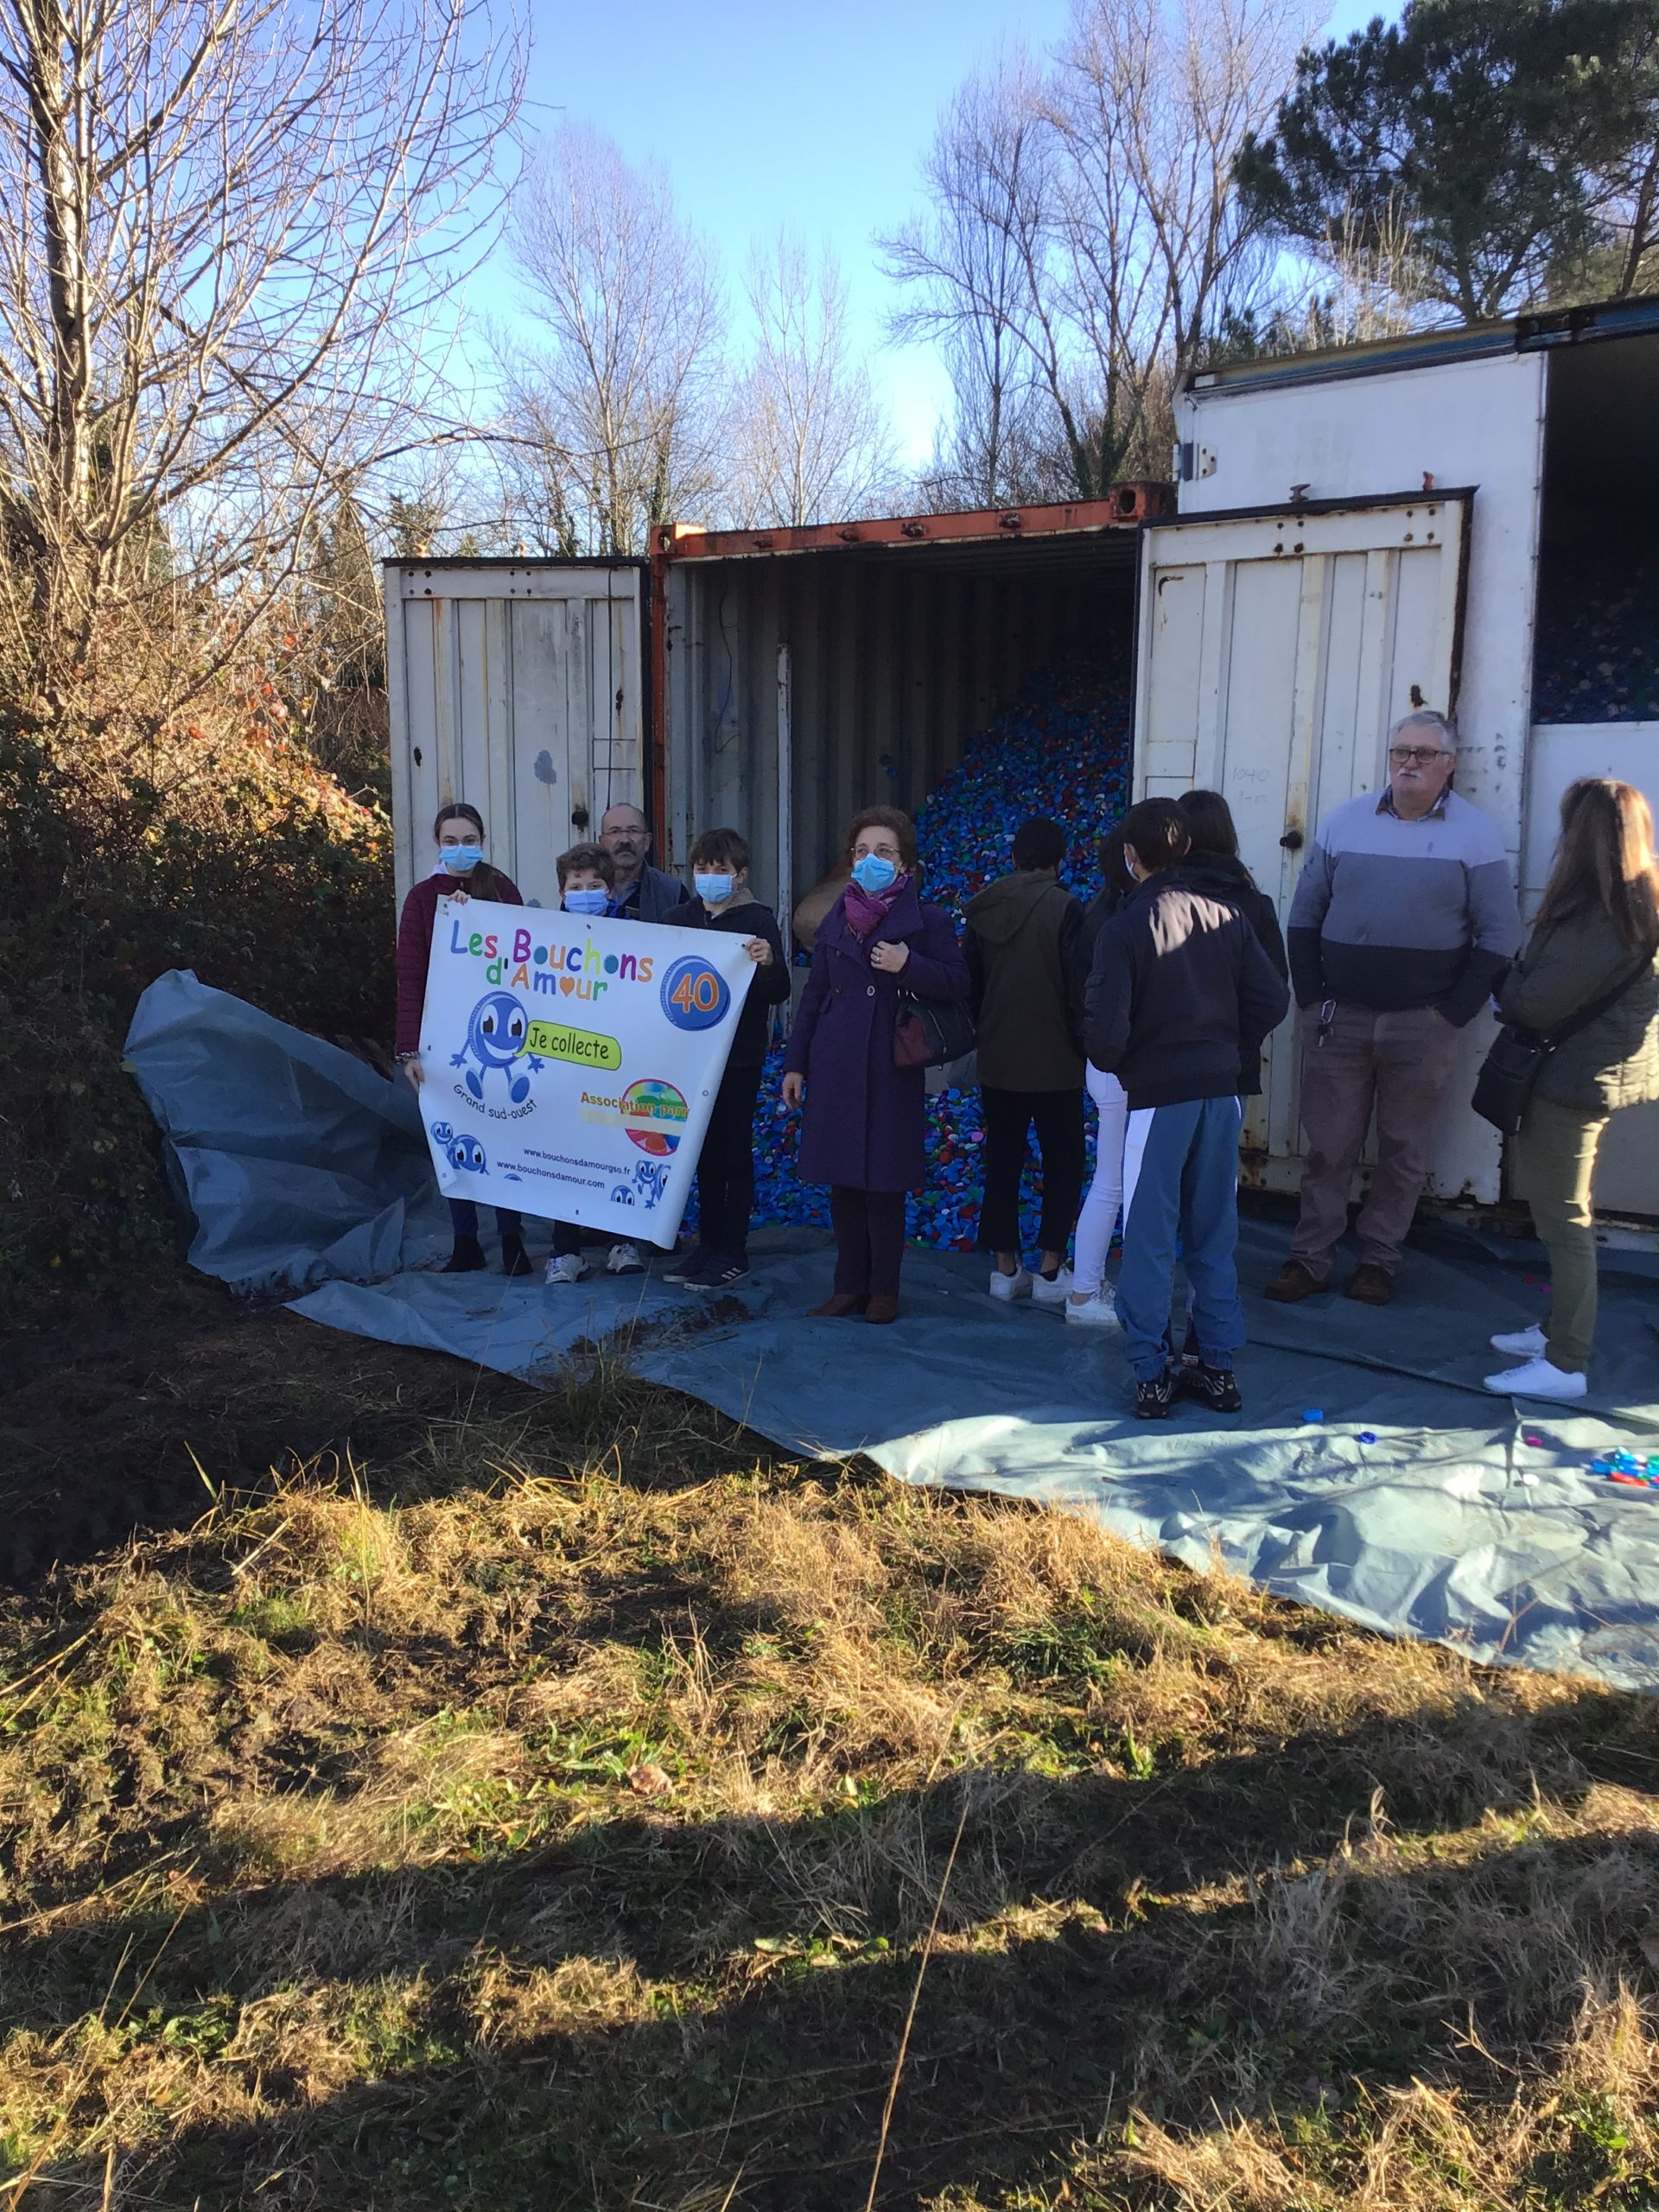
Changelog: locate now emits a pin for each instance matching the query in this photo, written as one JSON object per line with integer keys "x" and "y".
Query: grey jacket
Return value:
{"x": 1614, "y": 1062}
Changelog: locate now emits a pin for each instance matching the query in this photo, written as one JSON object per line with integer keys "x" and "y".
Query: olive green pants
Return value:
{"x": 1555, "y": 1160}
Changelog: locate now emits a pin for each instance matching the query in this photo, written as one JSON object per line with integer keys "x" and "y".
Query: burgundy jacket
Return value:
{"x": 415, "y": 945}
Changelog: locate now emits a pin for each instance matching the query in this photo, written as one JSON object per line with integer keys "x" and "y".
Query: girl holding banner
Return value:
{"x": 461, "y": 872}
{"x": 864, "y": 1131}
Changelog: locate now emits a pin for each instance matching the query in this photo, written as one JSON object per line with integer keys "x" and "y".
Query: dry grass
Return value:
{"x": 550, "y": 1811}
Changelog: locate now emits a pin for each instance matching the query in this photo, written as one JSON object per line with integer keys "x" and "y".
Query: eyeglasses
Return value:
{"x": 1422, "y": 755}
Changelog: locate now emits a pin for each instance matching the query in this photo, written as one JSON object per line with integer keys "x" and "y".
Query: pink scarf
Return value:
{"x": 865, "y": 911}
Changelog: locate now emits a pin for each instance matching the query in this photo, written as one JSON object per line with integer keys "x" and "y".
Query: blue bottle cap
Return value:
{"x": 1368, "y": 1436}
{"x": 1314, "y": 1413}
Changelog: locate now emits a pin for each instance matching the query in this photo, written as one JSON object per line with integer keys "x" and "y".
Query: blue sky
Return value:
{"x": 813, "y": 115}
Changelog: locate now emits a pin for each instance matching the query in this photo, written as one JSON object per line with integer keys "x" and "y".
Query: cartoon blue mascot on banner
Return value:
{"x": 495, "y": 1039}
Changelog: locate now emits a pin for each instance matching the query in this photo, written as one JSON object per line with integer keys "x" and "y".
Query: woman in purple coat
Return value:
{"x": 864, "y": 1133}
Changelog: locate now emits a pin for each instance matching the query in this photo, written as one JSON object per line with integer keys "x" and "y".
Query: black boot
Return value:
{"x": 466, "y": 1258}
{"x": 515, "y": 1260}
{"x": 1154, "y": 1395}
{"x": 1215, "y": 1386}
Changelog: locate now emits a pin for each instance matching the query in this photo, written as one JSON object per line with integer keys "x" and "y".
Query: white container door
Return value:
{"x": 1274, "y": 651}
{"x": 518, "y": 687}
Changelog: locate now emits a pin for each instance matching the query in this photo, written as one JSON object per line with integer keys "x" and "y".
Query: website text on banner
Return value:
{"x": 571, "y": 1063}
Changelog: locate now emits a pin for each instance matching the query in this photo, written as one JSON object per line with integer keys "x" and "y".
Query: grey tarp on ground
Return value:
{"x": 1469, "y": 1520}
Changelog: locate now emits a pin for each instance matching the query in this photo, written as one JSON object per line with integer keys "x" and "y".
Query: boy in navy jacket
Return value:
{"x": 1179, "y": 991}
{"x": 720, "y": 878}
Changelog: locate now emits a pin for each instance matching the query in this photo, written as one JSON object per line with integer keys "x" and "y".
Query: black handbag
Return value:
{"x": 1512, "y": 1064}
{"x": 930, "y": 1032}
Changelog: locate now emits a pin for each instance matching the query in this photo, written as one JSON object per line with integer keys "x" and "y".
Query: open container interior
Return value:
{"x": 802, "y": 686}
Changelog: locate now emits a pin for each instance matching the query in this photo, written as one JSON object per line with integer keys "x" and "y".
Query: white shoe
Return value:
{"x": 1099, "y": 1312}
{"x": 1537, "y": 1379}
{"x": 1017, "y": 1284}
{"x": 1056, "y": 1293}
{"x": 1522, "y": 1344}
{"x": 623, "y": 1259}
{"x": 566, "y": 1266}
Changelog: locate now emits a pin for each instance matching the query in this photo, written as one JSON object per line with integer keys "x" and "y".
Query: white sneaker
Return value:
{"x": 1522, "y": 1344}
{"x": 623, "y": 1259}
{"x": 1537, "y": 1379}
{"x": 566, "y": 1266}
{"x": 1099, "y": 1312}
{"x": 1056, "y": 1293}
{"x": 1017, "y": 1284}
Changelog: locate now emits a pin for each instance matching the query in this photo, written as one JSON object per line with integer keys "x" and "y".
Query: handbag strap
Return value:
{"x": 1587, "y": 1014}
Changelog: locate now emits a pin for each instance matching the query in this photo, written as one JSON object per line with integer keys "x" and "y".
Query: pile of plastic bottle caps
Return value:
{"x": 1597, "y": 656}
{"x": 1061, "y": 749}
{"x": 1624, "y": 1468}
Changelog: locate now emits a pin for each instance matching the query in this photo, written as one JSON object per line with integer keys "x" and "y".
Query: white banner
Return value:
{"x": 571, "y": 1065}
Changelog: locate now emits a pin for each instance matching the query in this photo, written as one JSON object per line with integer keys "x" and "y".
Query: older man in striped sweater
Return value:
{"x": 1403, "y": 921}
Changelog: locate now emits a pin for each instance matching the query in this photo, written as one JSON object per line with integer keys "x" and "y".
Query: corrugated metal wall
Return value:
{"x": 895, "y": 660}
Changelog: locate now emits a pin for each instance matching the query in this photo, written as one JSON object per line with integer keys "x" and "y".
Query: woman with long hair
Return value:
{"x": 1212, "y": 866}
{"x": 864, "y": 1130}
{"x": 461, "y": 872}
{"x": 1596, "y": 938}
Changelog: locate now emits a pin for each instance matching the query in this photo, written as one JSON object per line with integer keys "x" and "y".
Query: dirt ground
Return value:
{"x": 110, "y": 1424}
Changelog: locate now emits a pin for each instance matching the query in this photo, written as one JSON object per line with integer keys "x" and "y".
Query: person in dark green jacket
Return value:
{"x": 1027, "y": 967}
{"x": 1597, "y": 931}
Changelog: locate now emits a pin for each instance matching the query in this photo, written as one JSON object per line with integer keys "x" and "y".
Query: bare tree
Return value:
{"x": 810, "y": 438}
{"x": 1151, "y": 104}
{"x": 1085, "y": 235}
{"x": 620, "y": 396}
{"x": 227, "y": 227}
{"x": 981, "y": 279}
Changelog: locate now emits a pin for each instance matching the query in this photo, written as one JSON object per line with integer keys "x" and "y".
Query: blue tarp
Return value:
{"x": 1468, "y": 1520}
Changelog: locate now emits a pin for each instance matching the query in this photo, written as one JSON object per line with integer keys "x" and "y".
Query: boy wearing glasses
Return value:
{"x": 1403, "y": 921}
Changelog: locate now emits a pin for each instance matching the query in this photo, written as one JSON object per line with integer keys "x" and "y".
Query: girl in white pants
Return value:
{"x": 1091, "y": 1304}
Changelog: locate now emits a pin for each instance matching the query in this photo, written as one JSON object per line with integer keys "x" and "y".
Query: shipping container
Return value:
{"x": 1353, "y": 533}
{"x": 1481, "y": 475}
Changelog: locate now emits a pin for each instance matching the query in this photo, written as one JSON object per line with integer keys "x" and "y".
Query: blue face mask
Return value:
{"x": 713, "y": 890}
{"x": 586, "y": 902}
{"x": 873, "y": 873}
{"x": 460, "y": 860}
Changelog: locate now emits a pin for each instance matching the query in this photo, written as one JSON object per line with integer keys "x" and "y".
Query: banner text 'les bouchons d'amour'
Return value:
{"x": 571, "y": 1063}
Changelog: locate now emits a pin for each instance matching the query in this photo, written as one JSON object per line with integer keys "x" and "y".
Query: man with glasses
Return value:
{"x": 1404, "y": 919}
{"x": 642, "y": 893}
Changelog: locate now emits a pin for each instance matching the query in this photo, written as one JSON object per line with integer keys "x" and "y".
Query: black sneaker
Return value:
{"x": 1153, "y": 1396}
{"x": 1215, "y": 1386}
{"x": 720, "y": 1272}
{"x": 689, "y": 1266}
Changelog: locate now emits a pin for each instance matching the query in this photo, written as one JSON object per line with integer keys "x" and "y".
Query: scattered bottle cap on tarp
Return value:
{"x": 1313, "y": 1413}
{"x": 1536, "y": 1442}
{"x": 1368, "y": 1436}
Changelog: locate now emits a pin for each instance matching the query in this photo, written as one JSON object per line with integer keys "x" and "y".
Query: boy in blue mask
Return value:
{"x": 720, "y": 876}
{"x": 587, "y": 878}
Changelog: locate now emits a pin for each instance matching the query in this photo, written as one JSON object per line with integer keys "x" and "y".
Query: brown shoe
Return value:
{"x": 882, "y": 1308}
{"x": 1293, "y": 1282}
{"x": 1371, "y": 1285}
{"x": 838, "y": 1308}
